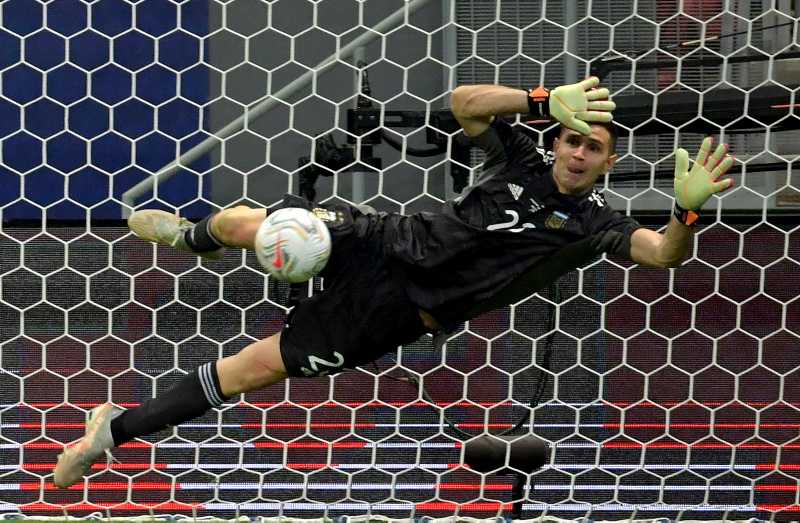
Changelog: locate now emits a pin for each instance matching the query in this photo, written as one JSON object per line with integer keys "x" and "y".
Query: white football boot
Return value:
{"x": 76, "y": 461}
{"x": 165, "y": 228}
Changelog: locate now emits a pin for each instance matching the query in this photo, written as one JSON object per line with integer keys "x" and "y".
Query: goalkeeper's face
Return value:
{"x": 580, "y": 160}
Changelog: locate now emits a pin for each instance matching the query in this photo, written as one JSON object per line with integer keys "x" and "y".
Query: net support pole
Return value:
{"x": 130, "y": 196}
{"x": 358, "y": 178}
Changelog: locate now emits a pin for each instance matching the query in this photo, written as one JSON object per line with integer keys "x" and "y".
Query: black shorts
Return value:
{"x": 363, "y": 312}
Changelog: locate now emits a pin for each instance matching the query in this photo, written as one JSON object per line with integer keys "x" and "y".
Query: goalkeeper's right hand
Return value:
{"x": 575, "y": 104}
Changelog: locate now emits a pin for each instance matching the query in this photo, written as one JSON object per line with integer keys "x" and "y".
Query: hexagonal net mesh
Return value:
{"x": 662, "y": 393}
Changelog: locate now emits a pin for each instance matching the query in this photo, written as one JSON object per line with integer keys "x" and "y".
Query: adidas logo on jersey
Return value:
{"x": 548, "y": 157}
{"x": 535, "y": 206}
{"x": 597, "y": 198}
{"x": 516, "y": 190}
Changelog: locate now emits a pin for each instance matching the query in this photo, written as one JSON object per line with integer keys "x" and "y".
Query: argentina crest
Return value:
{"x": 556, "y": 220}
{"x": 328, "y": 216}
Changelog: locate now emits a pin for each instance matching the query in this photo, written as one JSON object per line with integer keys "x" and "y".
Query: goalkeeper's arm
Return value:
{"x": 692, "y": 189}
{"x": 573, "y": 105}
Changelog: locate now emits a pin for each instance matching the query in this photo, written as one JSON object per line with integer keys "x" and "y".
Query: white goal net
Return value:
{"x": 661, "y": 393}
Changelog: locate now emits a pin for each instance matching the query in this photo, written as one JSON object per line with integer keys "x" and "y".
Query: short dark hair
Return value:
{"x": 611, "y": 127}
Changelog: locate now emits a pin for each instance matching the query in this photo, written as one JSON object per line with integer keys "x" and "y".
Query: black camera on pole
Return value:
{"x": 489, "y": 453}
{"x": 517, "y": 455}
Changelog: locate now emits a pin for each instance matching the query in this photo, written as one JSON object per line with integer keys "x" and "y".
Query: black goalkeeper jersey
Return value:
{"x": 505, "y": 237}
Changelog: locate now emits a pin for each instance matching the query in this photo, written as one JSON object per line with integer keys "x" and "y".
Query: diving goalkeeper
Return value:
{"x": 529, "y": 218}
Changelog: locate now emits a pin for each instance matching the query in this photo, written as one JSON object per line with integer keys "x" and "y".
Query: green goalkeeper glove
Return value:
{"x": 693, "y": 187}
{"x": 574, "y": 105}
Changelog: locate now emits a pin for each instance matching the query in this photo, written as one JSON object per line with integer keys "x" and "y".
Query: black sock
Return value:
{"x": 191, "y": 397}
{"x": 200, "y": 239}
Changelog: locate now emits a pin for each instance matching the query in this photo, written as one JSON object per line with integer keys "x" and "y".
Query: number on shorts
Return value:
{"x": 315, "y": 361}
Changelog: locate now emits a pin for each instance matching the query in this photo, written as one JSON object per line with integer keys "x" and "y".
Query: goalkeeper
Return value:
{"x": 529, "y": 218}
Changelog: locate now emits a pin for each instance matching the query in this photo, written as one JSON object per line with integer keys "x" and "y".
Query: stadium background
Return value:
{"x": 669, "y": 393}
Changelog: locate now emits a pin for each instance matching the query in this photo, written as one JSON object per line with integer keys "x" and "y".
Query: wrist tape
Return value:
{"x": 685, "y": 216}
{"x": 538, "y": 102}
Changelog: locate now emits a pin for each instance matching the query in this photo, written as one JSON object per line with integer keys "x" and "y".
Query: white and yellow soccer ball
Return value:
{"x": 293, "y": 244}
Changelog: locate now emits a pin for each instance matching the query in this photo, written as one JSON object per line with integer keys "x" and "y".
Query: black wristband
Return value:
{"x": 685, "y": 216}
{"x": 538, "y": 102}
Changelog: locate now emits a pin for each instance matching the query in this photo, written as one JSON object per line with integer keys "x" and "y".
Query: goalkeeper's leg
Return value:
{"x": 256, "y": 366}
{"x": 234, "y": 227}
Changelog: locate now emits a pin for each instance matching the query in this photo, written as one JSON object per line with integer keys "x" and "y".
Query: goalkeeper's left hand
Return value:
{"x": 693, "y": 187}
{"x": 575, "y": 104}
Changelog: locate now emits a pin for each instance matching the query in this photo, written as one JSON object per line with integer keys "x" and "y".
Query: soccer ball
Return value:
{"x": 292, "y": 244}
